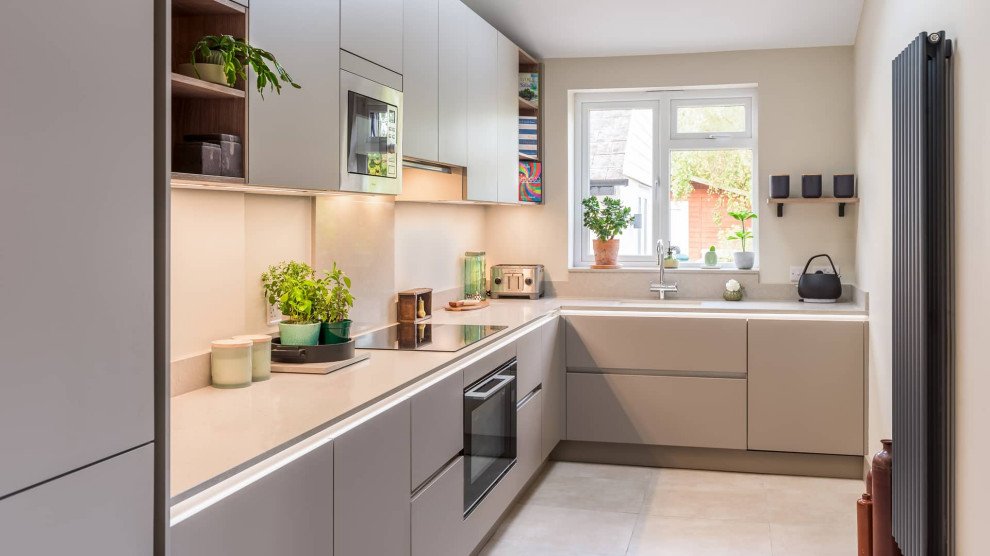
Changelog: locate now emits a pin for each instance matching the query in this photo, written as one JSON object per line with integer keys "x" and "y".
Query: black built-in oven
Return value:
{"x": 489, "y": 432}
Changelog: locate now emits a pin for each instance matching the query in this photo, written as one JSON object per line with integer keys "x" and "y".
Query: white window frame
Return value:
{"x": 666, "y": 140}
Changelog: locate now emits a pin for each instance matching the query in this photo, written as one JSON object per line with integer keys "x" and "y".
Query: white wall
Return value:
{"x": 805, "y": 126}
{"x": 887, "y": 26}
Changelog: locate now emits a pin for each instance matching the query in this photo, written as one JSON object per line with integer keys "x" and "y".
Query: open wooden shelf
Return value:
{"x": 528, "y": 157}
{"x": 190, "y": 87}
{"x": 841, "y": 202}
{"x": 181, "y": 178}
{"x": 207, "y": 7}
{"x": 527, "y": 105}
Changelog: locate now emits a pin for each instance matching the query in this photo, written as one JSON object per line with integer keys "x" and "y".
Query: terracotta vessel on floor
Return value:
{"x": 606, "y": 252}
{"x": 883, "y": 537}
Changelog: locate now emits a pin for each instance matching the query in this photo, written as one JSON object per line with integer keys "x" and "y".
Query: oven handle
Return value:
{"x": 503, "y": 381}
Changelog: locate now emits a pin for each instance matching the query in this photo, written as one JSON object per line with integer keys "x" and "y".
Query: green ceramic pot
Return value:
{"x": 711, "y": 258}
{"x": 299, "y": 334}
{"x": 732, "y": 296}
{"x": 335, "y": 332}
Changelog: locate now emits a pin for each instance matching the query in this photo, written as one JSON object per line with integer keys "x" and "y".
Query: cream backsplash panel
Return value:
{"x": 430, "y": 243}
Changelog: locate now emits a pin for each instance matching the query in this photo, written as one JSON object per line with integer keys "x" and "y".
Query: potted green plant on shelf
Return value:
{"x": 744, "y": 259}
{"x": 293, "y": 288}
{"x": 711, "y": 257}
{"x": 224, "y": 59}
{"x": 606, "y": 219}
{"x": 336, "y": 327}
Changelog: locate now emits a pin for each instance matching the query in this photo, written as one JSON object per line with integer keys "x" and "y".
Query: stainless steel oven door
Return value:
{"x": 371, "y": 136}
{"x": 489, "y": 432}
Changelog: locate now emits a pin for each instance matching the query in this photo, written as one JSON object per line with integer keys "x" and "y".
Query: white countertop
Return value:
{"x": 215, "y": 433}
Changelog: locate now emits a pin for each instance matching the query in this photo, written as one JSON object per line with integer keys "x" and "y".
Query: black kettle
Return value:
{"x": 819, "y": 286}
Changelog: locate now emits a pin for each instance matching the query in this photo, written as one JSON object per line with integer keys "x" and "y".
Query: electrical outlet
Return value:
{"x": 273, "y": 314}
{"x": 825, "y": 268}
{"x": 796, "y": 270}
{"x": 796, "y": 273}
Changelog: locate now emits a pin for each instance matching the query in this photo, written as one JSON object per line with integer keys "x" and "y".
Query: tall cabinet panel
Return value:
{"x": 554, "y": 384}
{"x": 372, "y": 30}
{"x": 371, "y": 485}
{"x": 420, "y": 80}
{"x": 482, "y": 178}
{"x": 508, "y": 121}
{"x": 76, "y": 153}
{"x": 104, "y": 509}
{"x": 293, "y": 138}
{"x": 453, "y": 83}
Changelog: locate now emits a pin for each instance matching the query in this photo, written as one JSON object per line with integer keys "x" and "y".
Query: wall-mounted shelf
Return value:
{"x": 207, "y": 7}
{"x": 182, "y": 178}
{"x": 819, "y": 201}
{"x": 526, "y": 105}
{"x": 190, "y": 87}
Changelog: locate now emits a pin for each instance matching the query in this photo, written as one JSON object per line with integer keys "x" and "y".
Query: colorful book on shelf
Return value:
{"x": 530, "y": 181}
{"x": 529, "y": 87}
{"x": 528, "y": 141}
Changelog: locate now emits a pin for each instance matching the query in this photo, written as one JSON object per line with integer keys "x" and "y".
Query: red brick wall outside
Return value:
{"x": 703, "y": 232}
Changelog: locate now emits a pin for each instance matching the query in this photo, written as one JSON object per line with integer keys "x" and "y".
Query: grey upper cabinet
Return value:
{"x": 289, "y": 511}
{"x": 529, "y": 362}
{"x": 104, "y": 509}
{"x": 437, "y": 427}
{"x": 554, "y": 385}
{"x": 421, "y": 80}
{"x": 508, "y": 121}
{"x": 371, "y": 486}
{"x": 293, "y": 136}
{"x": 372, "y": 29}
{"x": 806, "y": 386}
{"x": 482, "y": 50}
{"x": 453, "y": 83}
{"x": 85, "y": 258}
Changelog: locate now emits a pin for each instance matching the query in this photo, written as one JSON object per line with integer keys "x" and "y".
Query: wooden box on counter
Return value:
{"x": 409, "y": 304}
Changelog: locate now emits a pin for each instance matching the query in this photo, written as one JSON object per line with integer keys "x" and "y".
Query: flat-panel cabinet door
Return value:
{"x": 438, "y": 515}
{"x": 529, "y": 362}
{"x": 437, "y": 427}
{"x": 453, "y": 83}
{"x": 553, "y": 384}
{"x": 104, "y": 509}
{"x": 77, "y": 208}
{"x": 806, "y": 386}
{"x": 508, "y": 120}
{"x": 293, "y": 139}
{"x": 372, "y": 29}
{"x": 371, "y": 486}
{"x": 421, "y": 80}
{"x": 287, "y": 512}
{"x": 482, "y": 167}
{"x": 529, "y": 429}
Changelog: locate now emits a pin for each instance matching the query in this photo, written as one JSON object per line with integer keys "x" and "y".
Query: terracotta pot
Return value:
{"x": 883, "y": 537}
{"x": 606, "y": 252}
{"x": 864, "y": 526}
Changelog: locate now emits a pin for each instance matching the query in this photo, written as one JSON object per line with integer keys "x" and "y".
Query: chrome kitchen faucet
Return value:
{"x": 662, "y": 288}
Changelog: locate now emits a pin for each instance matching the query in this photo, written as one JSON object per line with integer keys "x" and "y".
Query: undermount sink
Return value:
{"x": 661, "y": 303}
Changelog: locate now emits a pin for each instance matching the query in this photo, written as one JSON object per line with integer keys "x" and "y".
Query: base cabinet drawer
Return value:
{"x": 657, "y": 410}
{"x": 438, "y": 515}
{"x": 529, "y": 437}
{"x": 437, "y": 427}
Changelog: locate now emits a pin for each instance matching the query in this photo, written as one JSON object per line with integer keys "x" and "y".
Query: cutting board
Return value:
{"x": 481, "y": 305}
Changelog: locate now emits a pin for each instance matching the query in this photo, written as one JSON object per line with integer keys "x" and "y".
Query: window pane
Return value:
{"x": 621, "y": 166}
{"x": 711, "y": 119}
{"x": 704, "y": 187}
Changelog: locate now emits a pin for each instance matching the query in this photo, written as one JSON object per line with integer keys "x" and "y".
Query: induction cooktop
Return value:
{"x": 426, "y": 336}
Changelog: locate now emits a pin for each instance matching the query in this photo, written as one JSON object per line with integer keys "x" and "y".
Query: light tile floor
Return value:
{"x": 580, "y": 509}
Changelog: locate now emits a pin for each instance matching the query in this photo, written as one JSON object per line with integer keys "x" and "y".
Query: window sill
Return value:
{"x": 656, "y": 269}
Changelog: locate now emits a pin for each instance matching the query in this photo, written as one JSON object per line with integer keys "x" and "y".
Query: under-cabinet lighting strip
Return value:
{"x": 210, "y": 496}
{"x": 695, "y": 315}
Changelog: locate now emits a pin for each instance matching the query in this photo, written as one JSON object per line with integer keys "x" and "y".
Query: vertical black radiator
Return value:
{"x": 922, "y": 297}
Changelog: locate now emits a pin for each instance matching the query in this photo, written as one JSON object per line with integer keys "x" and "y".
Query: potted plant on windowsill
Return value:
{"x": 606, "y": 219}
{"x": 293, "y": 288}
{"x": 744, "y": 259}
{"x": 223, "y": 60}
{"x": 336, "y": 327}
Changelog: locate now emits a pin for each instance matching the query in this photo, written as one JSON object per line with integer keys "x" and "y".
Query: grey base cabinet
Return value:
{"x": 437, "y": 427}
{"x": 286, "y": 512}
{"x": 529, "y": 362}
{"x": 529, "y": 438}
{"x": 554, "y": 384}
{"x": 371, "y": 486}
{"x": 104, "y": 509}
{"x": 438, "y": 515}
{"x": 806, "y": 386}
{"x": 657, "y": 410}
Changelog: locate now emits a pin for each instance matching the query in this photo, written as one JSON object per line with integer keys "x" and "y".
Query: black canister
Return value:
{"x": 811, "y": 186}
{"x": 780, "y": 187}
{"x": 843, "y": 185}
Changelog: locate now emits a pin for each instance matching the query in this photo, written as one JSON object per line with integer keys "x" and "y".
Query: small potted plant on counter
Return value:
{"x": 224, "y": 59}
{"x": 293, "y": 288}
{"x": 744, "y": 259}
{"x": 733, "y": 291}
{"x": 336, "y": 327}
{"x": 606, "y": 219}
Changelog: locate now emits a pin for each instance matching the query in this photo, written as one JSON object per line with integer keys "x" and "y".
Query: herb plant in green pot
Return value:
{"x": 606, "y": 219}
{"x": 744, "y": 259}
{"x": 293, "y": 288}
{"x": 336, "y": 327}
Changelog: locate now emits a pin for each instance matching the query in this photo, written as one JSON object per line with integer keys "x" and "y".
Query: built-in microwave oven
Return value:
{"x": 371, "y": 136}
{"x": 489, "y": 432}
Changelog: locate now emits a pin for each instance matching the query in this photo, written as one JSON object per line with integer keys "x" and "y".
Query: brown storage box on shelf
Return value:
{"x": 197, "y": 158}
{"x": 231, "y": 152}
